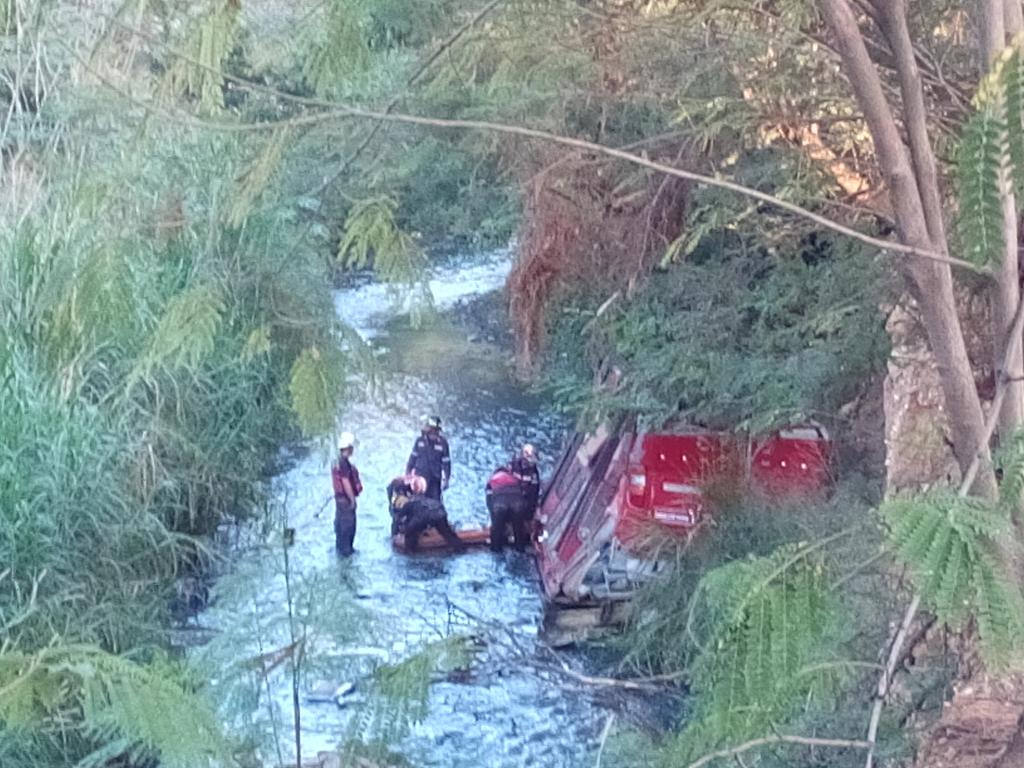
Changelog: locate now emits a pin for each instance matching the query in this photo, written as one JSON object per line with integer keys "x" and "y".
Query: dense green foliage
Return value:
{"x": 183, "y": 183}
{"x": 149, "y": 333}
{"x": 731, "y": 338}
{"x": 952, "y": 547}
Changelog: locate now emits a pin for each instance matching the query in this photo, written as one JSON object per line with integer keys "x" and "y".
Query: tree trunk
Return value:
{"x": 931, "y": 283}
{"x": 1013, "y": 18}
{"x": 1000, "y": 23}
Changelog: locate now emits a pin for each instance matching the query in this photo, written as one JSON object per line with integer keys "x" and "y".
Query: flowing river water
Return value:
{"x": 381, "y": 606}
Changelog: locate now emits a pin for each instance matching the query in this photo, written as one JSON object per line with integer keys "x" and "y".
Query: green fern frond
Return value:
{"x": 954, "y": 548}
{"x": 1010, "y": 461}
{"x": 769, "y": 619}
{"x": 188, "y": 329}
{"x": 339, "y": 50}
{"x": 978, "y": 174}
{"x": 257, "y": 344}
{"x": 257, "y": 178}
{"x": 1011, "y": 76}
{"x": 127, "y": 709}
{"x": 372, "y": 234}
{"x": 316, "y": 387}
{"x": 405, "y": 687}
{"x": 198, "y": 73}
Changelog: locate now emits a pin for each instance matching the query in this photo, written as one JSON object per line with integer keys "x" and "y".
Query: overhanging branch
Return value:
{"x": 334, "y": 111}
{"x": 331, "y": 111}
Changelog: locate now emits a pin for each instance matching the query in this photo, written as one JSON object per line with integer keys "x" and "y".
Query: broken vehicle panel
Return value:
{"x": 616, "y": 498}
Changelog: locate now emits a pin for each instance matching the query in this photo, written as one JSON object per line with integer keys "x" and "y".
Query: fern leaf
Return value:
{"x": 371, "y": 235}
{"x": 1011, "y": 76}
{"x": 317, "y": 387}
{"x": 198, "y": 73}
{"x": 1010, "y": 461}
{"x": 407, "y": 684}
{"x": 1000, "y": 612}
{"x": 257, "y": 344}
{"x": 188, "y": 329}
{"x": 956, "y": 551}
{"x": 770, "y": 618}
{"x": 338, "y": 51}
{"x": 128, "y": 709}
{"x": 257, "y": 178}
{"x": 979, "y": 167}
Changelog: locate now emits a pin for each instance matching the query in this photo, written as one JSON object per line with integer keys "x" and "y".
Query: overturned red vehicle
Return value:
{"x": 615, "y": 499}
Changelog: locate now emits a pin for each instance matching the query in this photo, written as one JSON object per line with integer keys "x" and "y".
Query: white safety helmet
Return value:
{"x": 529, "y": 453}
{"x": 346, "y": 440}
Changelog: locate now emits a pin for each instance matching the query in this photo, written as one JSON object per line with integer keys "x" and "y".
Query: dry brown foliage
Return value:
{"x": 588, "y": 224}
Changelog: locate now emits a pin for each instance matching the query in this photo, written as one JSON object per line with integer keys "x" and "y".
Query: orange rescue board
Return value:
{"x": 431, "y": 540}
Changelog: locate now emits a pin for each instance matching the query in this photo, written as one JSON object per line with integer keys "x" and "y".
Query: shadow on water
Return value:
{"x": 507, "y": 713}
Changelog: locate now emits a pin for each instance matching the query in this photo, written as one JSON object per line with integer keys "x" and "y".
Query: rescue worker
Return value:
{"x": 400, "y": 491}
{"x": 345, "y": 478}
{"x": 430, "y": 458}
{"x": 524, "y": 467}
{"x": 421, "y": 512}
{"x": 507, "y": 503}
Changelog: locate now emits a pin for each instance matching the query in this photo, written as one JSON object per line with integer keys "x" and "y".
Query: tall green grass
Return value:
{"x": 147, "y": 347}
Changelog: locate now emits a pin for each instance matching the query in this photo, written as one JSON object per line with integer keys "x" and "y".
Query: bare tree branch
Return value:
{"x": 808, "y": 741}
{"x": 885, "y": 679}
{"x": 334, "y": 111}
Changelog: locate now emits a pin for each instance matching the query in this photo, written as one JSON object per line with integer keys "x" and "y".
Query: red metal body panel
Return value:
{"x": 792, "y": 463}
{"x": 662, "y": 486}
{"x": 607, "y": 490}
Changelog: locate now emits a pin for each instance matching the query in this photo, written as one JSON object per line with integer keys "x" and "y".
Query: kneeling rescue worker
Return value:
{"x": 417, "y": 513}
{"x": 345, "y": 479}
{"x": 512, "y": 493}
{"x": 400, "y": 491}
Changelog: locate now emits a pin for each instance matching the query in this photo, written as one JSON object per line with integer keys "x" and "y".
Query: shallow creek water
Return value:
{"x": 505, "y": 712}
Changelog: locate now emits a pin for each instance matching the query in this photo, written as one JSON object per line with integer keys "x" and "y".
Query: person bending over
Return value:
{"x": 400, "y": 491}
{"x": 421, "y": 512}
{"x": 508, "y": 506}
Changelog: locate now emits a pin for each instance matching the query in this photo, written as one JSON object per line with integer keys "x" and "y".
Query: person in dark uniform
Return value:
{"x": 400, "y": 491}
{"x": 524, "y": 467}
{"x": 421, "y": 512}
{"x": 345, "y": 479}
{"x": 507, "y": 503}
{"x": 430, "y": 458}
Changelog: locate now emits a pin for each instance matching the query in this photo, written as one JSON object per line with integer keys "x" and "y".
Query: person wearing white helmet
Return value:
{"x": 512, "y": 493}
{"x": 431, "y": 458}
{"x": 347, "y": 487}
{"x": 400, "y": 491}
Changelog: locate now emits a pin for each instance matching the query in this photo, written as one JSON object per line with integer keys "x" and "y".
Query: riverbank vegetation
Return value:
{"x": 749, "y": 214}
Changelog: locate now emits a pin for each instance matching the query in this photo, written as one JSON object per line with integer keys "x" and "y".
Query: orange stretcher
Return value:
{"x": 431, "y": 540}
